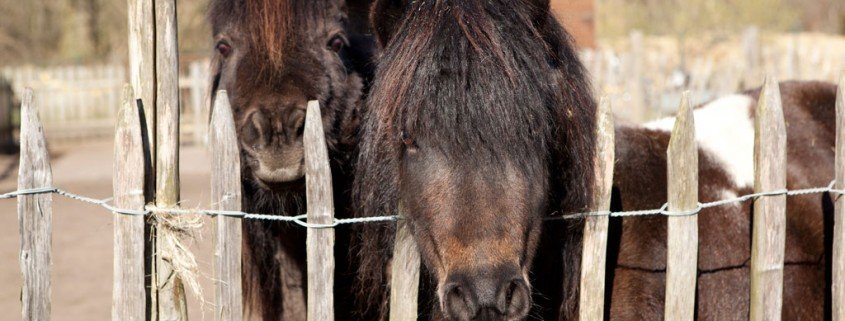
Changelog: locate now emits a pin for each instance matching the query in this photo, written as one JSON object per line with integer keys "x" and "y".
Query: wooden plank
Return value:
{"x": 172, "y": 304}
{"x": 682, "y": 255}
{"x": 838, "y": 263}
{"x": 594, "y": 251}
{"x": 35, "y": 215}
{"x": 319, "y": 242}
{"x": 128, "y": 291}
{"x": 769, "y": 230}
{"x": 226, "y": 196}
{"x": 404, "y": 274}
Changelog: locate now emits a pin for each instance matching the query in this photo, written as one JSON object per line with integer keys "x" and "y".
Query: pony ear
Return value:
{"x": 384, "y": 17}
{"x": 542, "y": 8}
{"x": 541, "y": 4}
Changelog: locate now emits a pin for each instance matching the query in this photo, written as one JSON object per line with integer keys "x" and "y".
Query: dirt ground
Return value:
{"x": 82, "y": 234}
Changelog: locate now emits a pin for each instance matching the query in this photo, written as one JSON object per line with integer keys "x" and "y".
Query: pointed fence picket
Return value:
{"x": 320, "y": 199}
{"x": 682, "y": 243}
{"x": 35, "y": 214}
{"x": 129, "y": 292}
{"x": 769, "y": 231}
{"x": 594, "y": 258}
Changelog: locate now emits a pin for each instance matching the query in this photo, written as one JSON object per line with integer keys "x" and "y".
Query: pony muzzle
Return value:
{"x": 495, "y": 297}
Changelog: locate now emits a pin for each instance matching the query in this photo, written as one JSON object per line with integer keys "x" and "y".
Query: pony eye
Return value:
{"x": 224, "y": 49}
{"x": 410, "y": 142}
{"x": 336, "y": 44}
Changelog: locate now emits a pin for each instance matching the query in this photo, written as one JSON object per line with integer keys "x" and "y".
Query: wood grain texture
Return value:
{"x": 319, "y": 242}
{"x": 167, "y": 104}
{"x": 35, "y": 215}
{"x": 142, "y": 75}
{"x": 404, "y": 274}
{"x": 838, "y": 263}
{"x": 594, "y": 251}
{"x": 128, "y": 291}
{"x": 769, "y": 230}
{"x": 682, "y": 255}
{"x": 171, "y": 299}
{"x": 226, "y": 195}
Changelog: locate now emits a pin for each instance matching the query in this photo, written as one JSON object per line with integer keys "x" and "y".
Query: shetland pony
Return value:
{"x": 480, "y": 122}
{"x": 273, "y": 56}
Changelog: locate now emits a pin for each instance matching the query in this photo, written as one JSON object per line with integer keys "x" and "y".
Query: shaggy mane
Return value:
{"x": 481, "y": 81}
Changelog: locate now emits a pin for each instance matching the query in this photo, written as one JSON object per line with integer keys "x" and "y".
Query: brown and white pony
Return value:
{"x": 481, "y": 123}
{"x": 725, "y": 134}
{"x": 273, "y": 56}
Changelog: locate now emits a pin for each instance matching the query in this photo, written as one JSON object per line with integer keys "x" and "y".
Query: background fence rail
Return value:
{"x": 80, "y": 103}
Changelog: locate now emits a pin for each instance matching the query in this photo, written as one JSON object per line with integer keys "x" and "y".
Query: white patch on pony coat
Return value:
{"x": 724, "y": 129}
{"x": 728, "y": 194}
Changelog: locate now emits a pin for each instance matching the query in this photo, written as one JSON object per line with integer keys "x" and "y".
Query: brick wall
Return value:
{"x": 579, "y": 18}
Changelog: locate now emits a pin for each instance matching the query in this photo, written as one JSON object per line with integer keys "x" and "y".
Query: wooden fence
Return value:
{"x": 80, "y": 102}
{"x": 648, "y": 74}
{"x": 132, "y": 171}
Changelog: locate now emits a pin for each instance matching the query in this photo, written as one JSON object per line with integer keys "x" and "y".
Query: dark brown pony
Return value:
{"x": 480, "y": 122}
{"x": 273, "y": 56}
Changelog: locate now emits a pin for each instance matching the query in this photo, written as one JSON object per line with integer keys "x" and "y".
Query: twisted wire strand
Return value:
{"x": 302, "y": 220}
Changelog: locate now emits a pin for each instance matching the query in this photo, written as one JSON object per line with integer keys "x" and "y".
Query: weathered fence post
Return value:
{"x": 319, "y": 195}
{"x": 142, "y": 78}
{"x": 769, "y": 230}
{"x": 128, "y": 292}
{"x": 404, "y": 274}
{"x": 838, "y": 264}
{"x": 172, "y": 304}
{"x": 35, "y": 215}
{"x": 682, "y": 255}
{"x": 226, "y": 193}
{"x": 594, "y": 253}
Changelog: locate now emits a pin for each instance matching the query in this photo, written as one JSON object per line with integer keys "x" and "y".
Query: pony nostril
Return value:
{"x": 255, "y": 126}
{"x": 514, "y": 299}
{"x": 458, "y": 303}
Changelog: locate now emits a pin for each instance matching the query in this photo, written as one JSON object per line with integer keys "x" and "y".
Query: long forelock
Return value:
{"x": 464, "y": 95}
{"x": 270, "y": 25}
